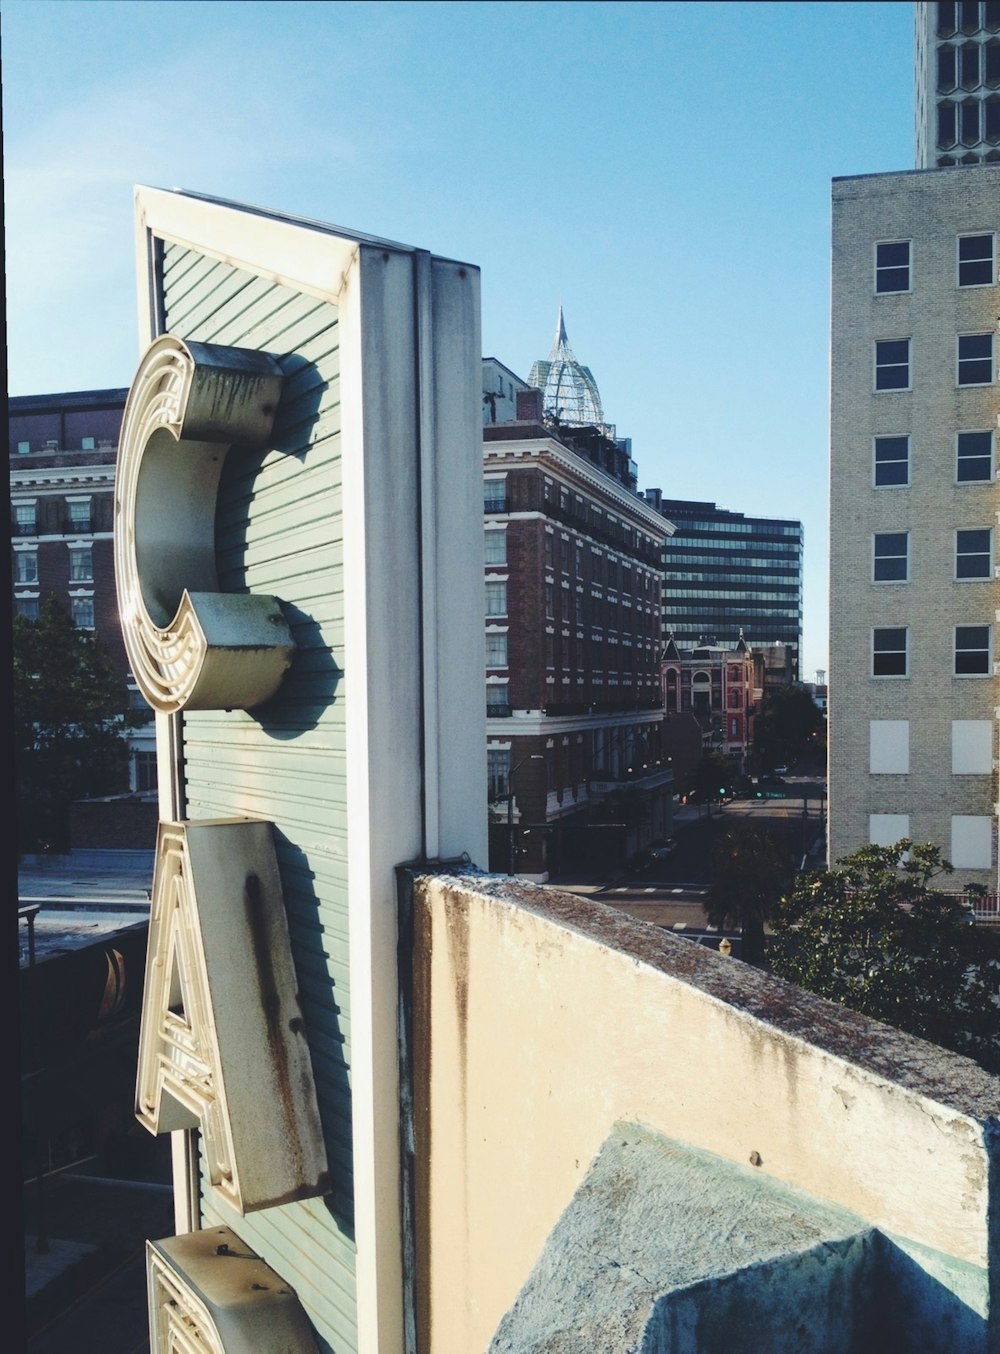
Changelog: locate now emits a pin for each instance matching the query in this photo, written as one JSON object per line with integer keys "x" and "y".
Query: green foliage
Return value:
{"x": 750, "y": 873}
{"x": 71, "y": 713}
{"x": 788, "y": 726}
{"x": 873, "y": 934}
{"x": 712, "y": 778}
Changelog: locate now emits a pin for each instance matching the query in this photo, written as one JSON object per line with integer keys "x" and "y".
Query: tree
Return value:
{"x": 751, "y": 871}
{"x": 873, "y": 934}
{"x": 789, "y": 725}
{"x": 712, "y": 778}
{"x": 71, "y": 713}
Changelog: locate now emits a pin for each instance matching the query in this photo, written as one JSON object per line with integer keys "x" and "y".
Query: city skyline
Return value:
{"x": 662, "y": 171}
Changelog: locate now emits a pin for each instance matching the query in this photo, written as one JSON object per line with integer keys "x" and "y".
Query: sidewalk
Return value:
{"x": 93, "y": 1225}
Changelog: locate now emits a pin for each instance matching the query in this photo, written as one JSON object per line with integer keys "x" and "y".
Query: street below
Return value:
{"x": 673, "y": 892}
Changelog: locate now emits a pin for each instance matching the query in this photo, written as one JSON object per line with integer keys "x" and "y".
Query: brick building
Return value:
{"x": 576, "y": 766}
{"x": 719, "y": 686}
{"x": 63, "y": 449}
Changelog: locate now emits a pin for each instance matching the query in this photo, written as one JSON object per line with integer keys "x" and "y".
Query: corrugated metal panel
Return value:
{"x": 279, "y": 531}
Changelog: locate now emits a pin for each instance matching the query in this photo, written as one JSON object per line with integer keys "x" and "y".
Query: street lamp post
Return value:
{"x": 511, "y": 845}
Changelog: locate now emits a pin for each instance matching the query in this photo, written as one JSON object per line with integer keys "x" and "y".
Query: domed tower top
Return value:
{"x": 570, "y": 391}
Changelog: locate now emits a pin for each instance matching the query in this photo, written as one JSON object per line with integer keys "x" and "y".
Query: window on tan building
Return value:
{"x": 975, "y": 360}
{"x": 892, "y": 364}
{"x": 974, "y": 463}
{"x": 973, "y": 650}
{"x": 892, "y": 266}
{"x": 976, "y": 263}
{"x": 890, "y": 651}
{"x": 892, "y": 461}
{"x": 974, "y": 554}
{"x": 891, "y": 557}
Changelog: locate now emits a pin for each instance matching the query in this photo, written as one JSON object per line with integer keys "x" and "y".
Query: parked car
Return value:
{"x": 644, "y": 861}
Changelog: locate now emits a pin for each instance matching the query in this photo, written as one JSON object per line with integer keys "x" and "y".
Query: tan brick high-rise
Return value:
{"x": 913, "y": 596}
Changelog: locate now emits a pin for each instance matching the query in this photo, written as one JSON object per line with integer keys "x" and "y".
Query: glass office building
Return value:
{"x": 725, "y": 573}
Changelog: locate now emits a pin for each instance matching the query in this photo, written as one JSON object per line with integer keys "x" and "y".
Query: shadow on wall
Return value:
{"x": 301, "y": 434}
{"x": 321, "y": 1010}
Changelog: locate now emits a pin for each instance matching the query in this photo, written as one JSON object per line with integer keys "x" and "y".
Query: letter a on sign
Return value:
{"x": 190, "y": 645}
{"x": 222, "y": 1046}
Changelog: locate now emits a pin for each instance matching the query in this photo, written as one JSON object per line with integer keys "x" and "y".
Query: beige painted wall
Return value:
{"x": 541, "y": 1019}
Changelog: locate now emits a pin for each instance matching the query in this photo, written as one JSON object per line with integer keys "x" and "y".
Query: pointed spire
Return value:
{"x": 561, "y": 351}
{"x": 571, "y": 393}
{"x": 561, "y": 336}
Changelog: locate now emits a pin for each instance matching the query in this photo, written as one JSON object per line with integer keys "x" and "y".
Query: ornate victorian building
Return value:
{"x": 717, "y": 685}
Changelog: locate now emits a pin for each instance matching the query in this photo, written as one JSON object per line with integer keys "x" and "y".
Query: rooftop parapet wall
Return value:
{"x": 539, "y": 1020}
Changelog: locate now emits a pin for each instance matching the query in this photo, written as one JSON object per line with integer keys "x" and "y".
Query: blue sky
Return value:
{"x": 661, "y": 170}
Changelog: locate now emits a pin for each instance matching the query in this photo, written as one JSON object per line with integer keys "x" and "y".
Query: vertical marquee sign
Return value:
{"x": 362, "y": 511}
{"x": 222, "y": 1046}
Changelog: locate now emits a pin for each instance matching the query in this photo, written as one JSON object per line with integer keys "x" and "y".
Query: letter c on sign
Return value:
{"x": 190, "y": 645}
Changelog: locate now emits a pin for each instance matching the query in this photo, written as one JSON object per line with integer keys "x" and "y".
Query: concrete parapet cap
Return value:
{"x": 916, "y": 1065}
{"x": 535, "y": 1021}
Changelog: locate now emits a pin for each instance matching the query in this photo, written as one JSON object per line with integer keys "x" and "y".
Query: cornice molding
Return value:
{"x": 52, "y": 478}
{"x": 538, "y": 450}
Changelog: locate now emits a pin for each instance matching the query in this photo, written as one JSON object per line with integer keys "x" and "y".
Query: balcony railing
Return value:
{"x": 497, "y": 711}
{"x": 984, "y": 906}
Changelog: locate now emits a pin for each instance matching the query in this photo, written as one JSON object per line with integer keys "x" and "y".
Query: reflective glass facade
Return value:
{"x": 724, "y": 572}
